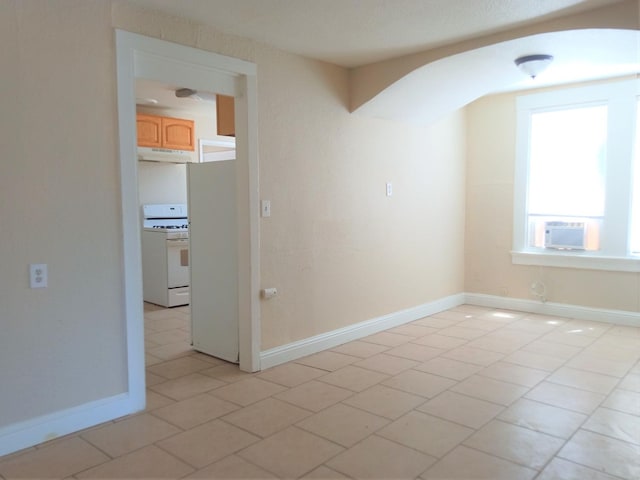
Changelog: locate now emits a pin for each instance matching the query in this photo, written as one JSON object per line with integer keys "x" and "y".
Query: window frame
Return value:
{"x": 621, "y": 98}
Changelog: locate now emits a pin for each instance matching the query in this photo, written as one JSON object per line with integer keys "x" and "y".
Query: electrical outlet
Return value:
{"x": 38, "y": 275}
{"x": 389, "y": 189}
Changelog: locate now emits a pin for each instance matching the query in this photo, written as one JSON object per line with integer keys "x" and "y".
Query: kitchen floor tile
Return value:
{"x": 599, "y": 364}
{"x": 566, "y": 397}
{"x": 354, "y": 378}
{"x": 178, "y": 367}
{"x": 266, "y": 417}
{"x": 567, "y": 338}
{"x": 388, "y": 364}
{"x": 590, "y": 381}
{"x": 148, "y": 462}
{"x": 290, "y": 374}
{"x": 516, "y": 444}
{"x": 413, "y": 351}
{"x": 446, "y": 367}
{"x": 155, "y": 400}
{"x": 442, "y": 342}
{"x": 231, "y": 467}
{"x": 384, "y": 401}
{"x": 543, "y": 418}
{"x": 376, "y": 457}
{"x": 195, "y": 411}
{"x": 438, "y": 322}
{"x": 559, "y": 469}
{"x": 494, "y": 391}
{"x": 535, "y": 360}
{"x": 512, "y": 373}
{"x": 324, "y": 473}
{"x": 476, "y": 356}
{"x": 360, "y": 349}
{"x": 314, "y": 396}
{"x": 186, "y": 386}
{"x": 291, "y": 453}
{"x": 631, "y": 382}
{"x": 419, "y": 383}
{"x": 58, "y": 460}
{"x": 551, "y": 349}
{"x": 246, "y": 392}
{"x": 343, "y": 424}
{"x": 130, "y": 434}
{"x": 624, "y": 401}
{"x": 612, "y": 423}
{"x": 461, "y": 409}
{"x": 387, "y": 339}
{"x": 207, "y": 443}
{"x": 428, "y": 434}
{"x": 227, "y": 373}
{"x": 328, "y": 360}
{"x": 603, "y": 454}
{"x": 412, "y": 330}
{"x": 465, "y": 463}
{"x": 464, "y": 333}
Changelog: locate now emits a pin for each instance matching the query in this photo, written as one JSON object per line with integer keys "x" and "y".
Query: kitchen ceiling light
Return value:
{"x": 195, "y": 95}
{"x": 533, "y": 65}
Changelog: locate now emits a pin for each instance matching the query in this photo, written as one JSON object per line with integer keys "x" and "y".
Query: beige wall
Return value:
{"x": 491, "y": 126}
{"x": 336, "y": 247}
{"x": 61, "y": 346}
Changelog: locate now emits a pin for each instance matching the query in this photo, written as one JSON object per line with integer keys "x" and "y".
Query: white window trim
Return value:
{"x": 614, "y": 254}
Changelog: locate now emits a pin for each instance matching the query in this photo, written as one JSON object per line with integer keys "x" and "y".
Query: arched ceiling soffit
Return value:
{"x": 444, "y": 85}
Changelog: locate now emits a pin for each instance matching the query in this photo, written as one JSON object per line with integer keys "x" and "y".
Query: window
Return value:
{"x": 577, "y": 185}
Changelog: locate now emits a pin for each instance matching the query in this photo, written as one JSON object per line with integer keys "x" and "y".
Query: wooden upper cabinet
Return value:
{"x": 178, "y": 134}
{"x": 165, "y": 132}
{"x": 149, "y": 130}
{"x": 225, "y": 115}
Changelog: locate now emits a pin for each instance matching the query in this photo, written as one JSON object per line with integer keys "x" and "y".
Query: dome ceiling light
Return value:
{"x": 533, "y": 65}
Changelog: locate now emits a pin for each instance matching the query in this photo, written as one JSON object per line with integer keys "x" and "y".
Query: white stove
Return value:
{"x": 165, "y": 254}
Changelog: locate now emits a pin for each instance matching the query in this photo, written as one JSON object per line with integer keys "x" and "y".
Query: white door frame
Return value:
{"x": 137, "y": 56}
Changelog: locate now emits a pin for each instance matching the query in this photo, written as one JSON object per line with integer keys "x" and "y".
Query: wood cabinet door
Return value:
{"x": 149, "y": 130}
{"x": 178, "y": 134}
{"x": 226, "y": 117}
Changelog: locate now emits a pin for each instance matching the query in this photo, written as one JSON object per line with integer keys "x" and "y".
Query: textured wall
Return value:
{"x": 59, "y": 202}
{"x": 336, "y": 247}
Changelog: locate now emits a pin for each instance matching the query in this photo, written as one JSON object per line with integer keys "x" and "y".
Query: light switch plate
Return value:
{"x": 265, "y": 208}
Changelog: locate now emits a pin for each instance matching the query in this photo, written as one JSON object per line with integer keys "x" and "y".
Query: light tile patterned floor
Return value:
{"x": 466, "y": 393}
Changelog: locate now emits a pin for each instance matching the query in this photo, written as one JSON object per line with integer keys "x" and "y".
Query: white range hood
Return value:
{"x": 148, "y": 154}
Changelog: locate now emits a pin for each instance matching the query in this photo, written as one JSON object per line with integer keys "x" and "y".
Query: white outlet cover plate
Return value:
{"x": 38, "y": 275}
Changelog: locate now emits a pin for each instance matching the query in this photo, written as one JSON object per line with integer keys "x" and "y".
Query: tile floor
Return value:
{"x": 466, "y": 393}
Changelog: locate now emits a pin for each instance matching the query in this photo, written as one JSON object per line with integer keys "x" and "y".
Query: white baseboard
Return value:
{"x": 618, "y": 317}
{"x": 31, "y": 432}
{"x": 292, "y": 351}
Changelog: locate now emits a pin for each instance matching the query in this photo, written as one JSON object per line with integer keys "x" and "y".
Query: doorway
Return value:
{"x": 144, "y": 57}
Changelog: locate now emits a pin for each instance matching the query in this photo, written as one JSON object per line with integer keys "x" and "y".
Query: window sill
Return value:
{"x": 576, "y": 260}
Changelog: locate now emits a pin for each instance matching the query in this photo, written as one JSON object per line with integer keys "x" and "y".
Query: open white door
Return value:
{"x": 213, "y": 238}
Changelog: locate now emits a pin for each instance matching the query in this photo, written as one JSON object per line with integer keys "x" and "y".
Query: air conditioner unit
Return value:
{"x": 565, "y": 235}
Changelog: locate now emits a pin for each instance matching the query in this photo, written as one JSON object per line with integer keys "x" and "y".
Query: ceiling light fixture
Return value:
{"x": 533, "y": 65}
{"x": 194, "y": 94}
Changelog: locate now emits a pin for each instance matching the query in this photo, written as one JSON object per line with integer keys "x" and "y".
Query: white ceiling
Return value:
{"x": 352, "y": 33}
